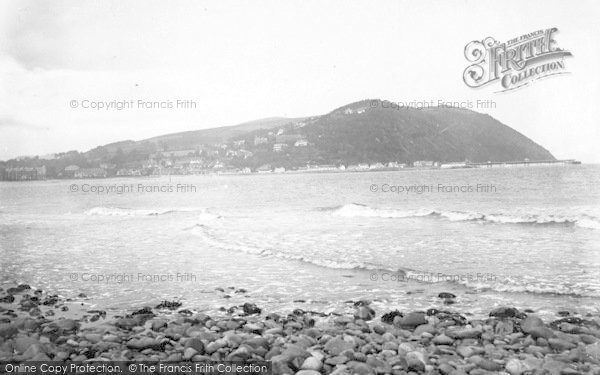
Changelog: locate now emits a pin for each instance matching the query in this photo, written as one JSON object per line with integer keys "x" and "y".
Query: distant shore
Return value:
{"x": 320, "y": 169}
{"x": 37, "y": 326}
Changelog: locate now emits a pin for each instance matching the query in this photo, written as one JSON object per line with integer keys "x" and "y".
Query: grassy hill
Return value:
{"x": 358, "y": 133}
{"x": 361, "y": 132}
{"x": 442, "y": 134}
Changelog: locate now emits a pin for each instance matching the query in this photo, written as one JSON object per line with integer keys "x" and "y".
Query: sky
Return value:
{"x": 245, "y": 60}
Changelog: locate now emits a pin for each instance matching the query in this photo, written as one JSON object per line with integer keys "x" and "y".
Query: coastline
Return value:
{"x": 320, "y": 170}
{"x": 37, "y": 326}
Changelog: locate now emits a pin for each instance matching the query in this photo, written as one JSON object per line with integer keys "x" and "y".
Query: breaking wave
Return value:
{"x": 118, "y": 211}
{"x": 359, "y": 210}
{"x": 484, "y": 282}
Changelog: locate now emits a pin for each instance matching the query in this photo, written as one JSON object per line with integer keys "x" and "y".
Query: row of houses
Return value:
{"x": 23, "y": 173}
{"x": 199, "y": 166}
{"x": 282, "y": 139}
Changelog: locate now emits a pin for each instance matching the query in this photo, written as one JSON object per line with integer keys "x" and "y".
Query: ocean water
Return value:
{"x": 524, "y": 237}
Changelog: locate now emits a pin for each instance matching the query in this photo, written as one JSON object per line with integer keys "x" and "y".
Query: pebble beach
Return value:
{"x": 37, "y": 326}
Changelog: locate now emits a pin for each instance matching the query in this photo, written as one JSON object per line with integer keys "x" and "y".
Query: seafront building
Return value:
{"x": 186, "y": 164}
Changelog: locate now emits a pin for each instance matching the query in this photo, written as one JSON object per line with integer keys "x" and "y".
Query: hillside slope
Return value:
{"x": 359, "y": 133}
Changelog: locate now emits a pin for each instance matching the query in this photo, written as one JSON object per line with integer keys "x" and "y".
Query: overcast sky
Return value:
{"x": 245, "y": 60}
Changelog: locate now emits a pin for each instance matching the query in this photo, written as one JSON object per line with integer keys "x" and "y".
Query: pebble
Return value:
{"x": 7, "y": 330}
{"x": 424, "y": 328}
{"x": 196, "y": 344}
{"x": 188, "y": 353}
{"x": 412, "y": 320}
{"x": 361, "y": 369}
{"x": 504, "y": 327}
{"x": 560, "y": 345}
{"x": 468, "y": 351}
{"x": 21, "y": 344}
{"x": 365, "y": 313}
{"x": 126, "y": 323}
{"x": 532, "y": 321}
{"x": 485, "y": 364}
{"x": 466, "y": 333}
{"x": 308, "y": 372}
{"x": 337, "y": 345}
{"x": 515, "y": 367}
{"x": 442, "y": 340}
{"x": 415, "y": 361}
{"x": 157, "y": 324}
{"x": 405, "y": 347}
{"x": 312, "y": 363}
{"x": 336, "y": 360}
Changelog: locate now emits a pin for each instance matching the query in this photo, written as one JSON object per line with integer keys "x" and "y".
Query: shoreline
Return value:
{"x": 36, "y": 326}
{"x": 557, "y": 163}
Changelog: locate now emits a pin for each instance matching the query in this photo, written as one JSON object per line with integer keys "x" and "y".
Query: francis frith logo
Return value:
{"x": 515, "y": 63}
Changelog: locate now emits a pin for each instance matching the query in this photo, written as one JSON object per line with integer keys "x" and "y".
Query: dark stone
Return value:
{"x": 7, "y": 299}
{"x": 169, "y": 305}
{"x": 432, "y": 312}
{"x": 147, "y": 343}
{"x": 274, "y": 317}
{"x": 66, "y": 325}
{"x": 364, "y": 312}
{"x": 22, "y": 287}
{"x": 251, "y": 308}
{"x": 50, "y": 300}
{"x": 126, "y": 323}
{"x": 389, "y": 316}
{"x": 504, "y": 312}
{"x": 446, "y": 295}
{"x": 570, "y": 319}
{"x": 143, "y": 311}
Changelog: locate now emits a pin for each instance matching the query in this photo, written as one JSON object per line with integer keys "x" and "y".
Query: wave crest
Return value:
{"x": 359, "y": 210}
{"x": 118, "y": 211}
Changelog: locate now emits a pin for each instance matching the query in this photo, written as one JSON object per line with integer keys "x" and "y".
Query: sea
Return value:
{"x": 525, "y": 237}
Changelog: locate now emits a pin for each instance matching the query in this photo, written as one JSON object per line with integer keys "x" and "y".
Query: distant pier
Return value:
{"x": 523, "y": 163}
